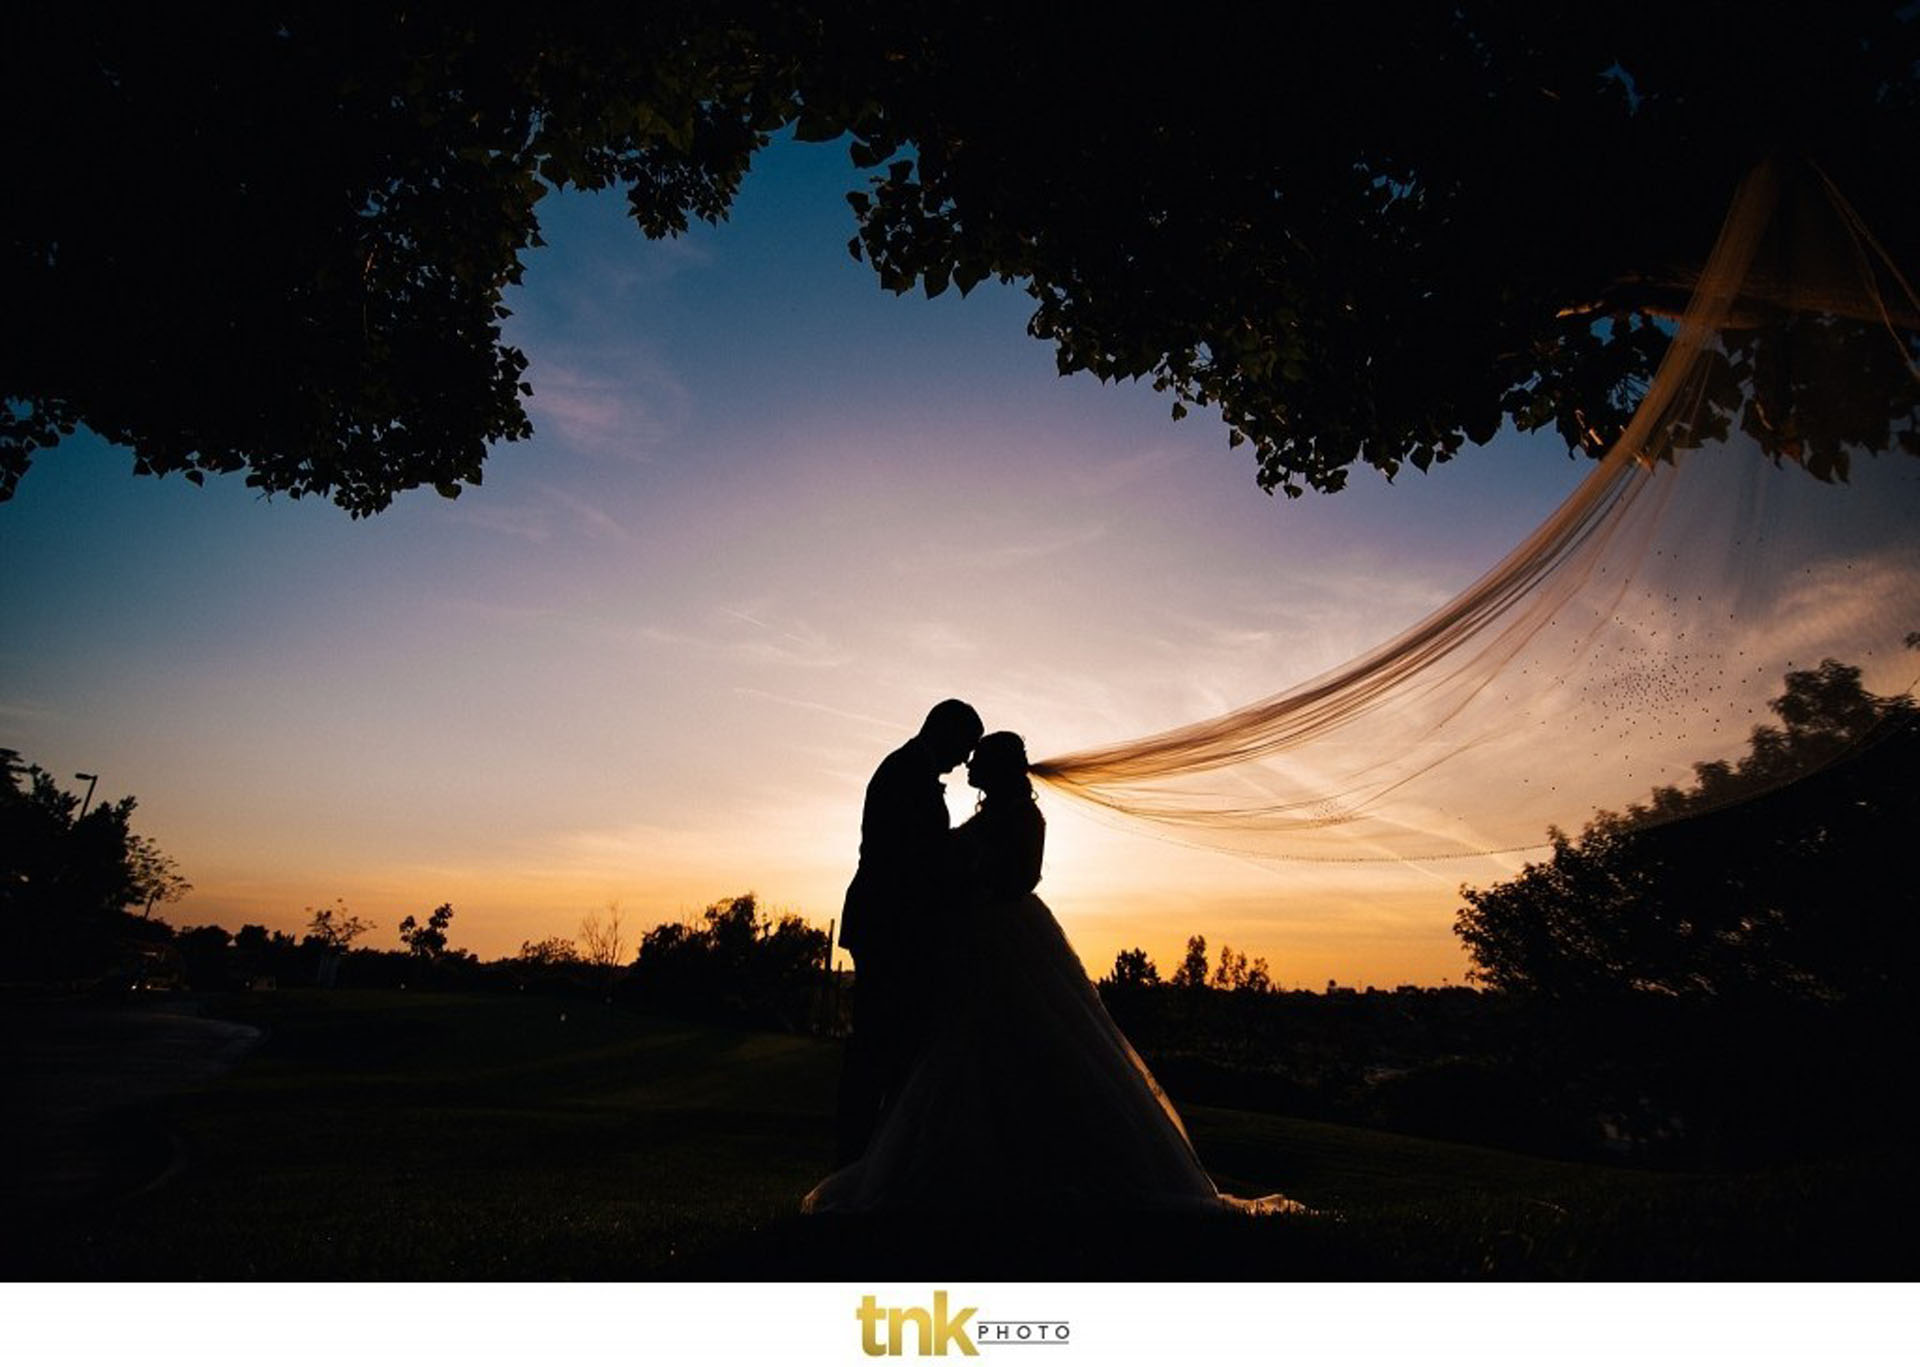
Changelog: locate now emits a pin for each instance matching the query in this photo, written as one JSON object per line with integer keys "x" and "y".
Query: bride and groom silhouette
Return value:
{"x": 983, "y": 1072}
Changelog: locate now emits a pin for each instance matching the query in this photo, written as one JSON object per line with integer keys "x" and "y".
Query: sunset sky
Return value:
{"x": 771, "y": 514}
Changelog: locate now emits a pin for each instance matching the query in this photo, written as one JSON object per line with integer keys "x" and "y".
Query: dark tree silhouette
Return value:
{"x": 1383, "y": 229}
{"x": 1748, "y": 886}
{"x": 260, "y": 954}
{"x": 156, "y": 876}
{"x": 334, "y": 929}
{"x": 1192, "y": 972}
{"x": 1132, "y": 968}
{"x": 1231, "y": 974}
{"x": 67, "y": 879}
{"x": 553, "y": 952}
{"x": 427, "y": 940}
{"x": 207, "y": 957}
{"x": 603, "y": 945}
{"x": 277, "y": 238}
{"x": 734, "y": 964}
{"x": 1365, "y": 234}
{"x": 553, "y": 964}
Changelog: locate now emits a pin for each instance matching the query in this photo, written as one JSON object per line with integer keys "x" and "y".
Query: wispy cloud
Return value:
{"x": 942, "y": 640}
{"x": 1003, "y": 555}
{"x": 528, "y": 524}
{"x": 595, "y": 265}
{"x": 1025, "y": 552}
{"x": 1838, "y": 604}
{"x": 589, "y": 517}
{"x": 619, "y": 403}
{"x": 810, "y": 705}
{"x": 803, "y": 637}
{"x": 1107, "y": 475}
{"x": 26, "y": 712}
{"x": 552, "y": 512}
{"x": 795, "y": 646}
{"x": 653, "y": 262}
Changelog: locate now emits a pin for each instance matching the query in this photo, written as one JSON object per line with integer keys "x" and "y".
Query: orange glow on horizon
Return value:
{"x": 1380, "y": 925}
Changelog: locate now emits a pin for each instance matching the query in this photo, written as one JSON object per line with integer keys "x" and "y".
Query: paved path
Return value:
{"x": 80, "y": 1081}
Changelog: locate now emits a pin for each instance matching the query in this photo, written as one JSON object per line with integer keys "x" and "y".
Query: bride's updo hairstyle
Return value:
{"x": 999, "y": 768}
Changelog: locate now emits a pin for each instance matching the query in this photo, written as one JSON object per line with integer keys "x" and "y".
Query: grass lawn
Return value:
{"x": 417, "y": 1136}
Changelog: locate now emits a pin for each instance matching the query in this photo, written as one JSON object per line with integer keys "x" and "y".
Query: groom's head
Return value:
{"x": 950, "y": 732}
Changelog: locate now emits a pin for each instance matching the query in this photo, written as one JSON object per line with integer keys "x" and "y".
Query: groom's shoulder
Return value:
{"x": 905, "y": 767}
{"x": 900, "y": 764}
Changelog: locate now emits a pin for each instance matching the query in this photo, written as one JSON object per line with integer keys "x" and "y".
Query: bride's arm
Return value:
{"x": 1000, "y": 856}
{"x": 967, "y": 852}
{"x": 1032, "y": 851}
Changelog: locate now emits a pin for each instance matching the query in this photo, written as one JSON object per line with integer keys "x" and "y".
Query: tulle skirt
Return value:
{"x": 1027, "y": 1097}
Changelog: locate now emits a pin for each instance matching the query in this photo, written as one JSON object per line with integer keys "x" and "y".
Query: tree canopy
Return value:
{"x": 427, "y": 940}
{"x": 736, "y": 962}
{"x": 277, "y": 238}
{"x": 1745, "y": 886}
{"x": 69, "y": 873}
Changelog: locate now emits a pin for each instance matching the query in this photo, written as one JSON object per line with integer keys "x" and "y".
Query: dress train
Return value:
{"x": 1027, "y": 1098}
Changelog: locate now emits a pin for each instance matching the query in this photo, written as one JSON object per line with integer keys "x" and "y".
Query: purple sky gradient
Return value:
{"x": 770, "y": 515}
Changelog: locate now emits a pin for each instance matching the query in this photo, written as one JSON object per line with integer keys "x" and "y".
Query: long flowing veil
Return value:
{"x": 1760, "y": 514}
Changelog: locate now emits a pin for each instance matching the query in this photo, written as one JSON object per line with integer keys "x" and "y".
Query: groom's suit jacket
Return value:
{"x": 903, "y": 833}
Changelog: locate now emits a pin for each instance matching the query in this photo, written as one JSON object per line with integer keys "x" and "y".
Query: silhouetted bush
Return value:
{"x": 734, "y": 965}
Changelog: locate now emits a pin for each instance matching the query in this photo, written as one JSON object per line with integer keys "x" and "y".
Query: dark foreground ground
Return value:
{"x": 415, "y": 1136}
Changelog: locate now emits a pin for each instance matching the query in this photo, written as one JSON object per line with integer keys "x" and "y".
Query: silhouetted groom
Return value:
{"x": 893, "y": 906}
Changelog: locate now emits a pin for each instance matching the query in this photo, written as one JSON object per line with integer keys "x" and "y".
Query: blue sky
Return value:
{"x": 770, "y": 514}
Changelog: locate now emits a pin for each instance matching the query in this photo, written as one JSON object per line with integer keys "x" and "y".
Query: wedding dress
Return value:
{"x": 1027, "y": 1097}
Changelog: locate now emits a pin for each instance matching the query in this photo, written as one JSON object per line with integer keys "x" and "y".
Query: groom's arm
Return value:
{"x": 903, "y": 826}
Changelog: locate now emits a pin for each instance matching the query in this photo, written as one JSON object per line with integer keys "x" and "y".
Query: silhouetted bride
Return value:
{"x": 1027, "y": 1096}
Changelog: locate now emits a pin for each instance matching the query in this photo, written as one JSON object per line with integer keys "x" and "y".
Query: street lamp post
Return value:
{"x": 91, "y": 780}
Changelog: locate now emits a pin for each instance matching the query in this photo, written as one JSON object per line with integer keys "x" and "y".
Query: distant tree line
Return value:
{"x": 330, "y": 953}
{"x": 1234, "y": 973}
{"x": 736, "y": 963}
{"x": 1714, "y": 977}
{"x": 78, "y": 885}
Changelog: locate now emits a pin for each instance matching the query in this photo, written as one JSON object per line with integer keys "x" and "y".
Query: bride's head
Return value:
{"x": 999, "y": 767}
